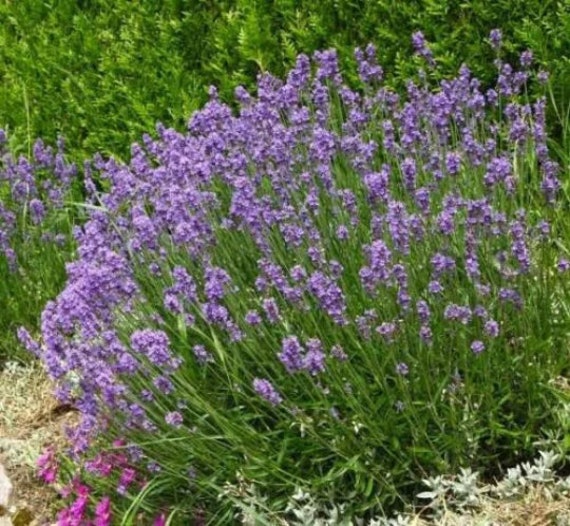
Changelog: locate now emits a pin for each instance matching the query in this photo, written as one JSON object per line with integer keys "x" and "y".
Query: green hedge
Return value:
{"x": 104, "y": 71}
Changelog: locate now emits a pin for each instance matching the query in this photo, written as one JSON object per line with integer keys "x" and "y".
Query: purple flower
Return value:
{"x": 498, "y": 170}
{"x": 421, "y": 48}
{"x": 442, "y": 264}
{"x": 387, "y": 330}
{"x": 379, "y": 269}
{"x": 550, "y": 184}
{"x": 368, "y": 69}
{"x": 563, "y": 265}
{"x": 496, "y": 38}
{"x": 477, "y": 347}
{"x": 174, "y": 419}
{"x": 453, "y": 163}
{"x": 202, "y": 355}
{"x": 542, "y": 77}
{"x": 519, "y": 248}
{"x": 314, "y": 359}
{"x": 422, "y": 198}
{"x": 153, "y": 344}
{"x": 291, "y": 355}
{"x": 260, "y": 198}
{"x": 435, "y": 287}
{"x": 423, "y": 310}
{"x": 492, "y": 328}
{"x": 398, "y": 225}
{"x": 402, "y": 369}
{"x": 12, "y": 258}
{"x": 426, "y": 334}
{"x": 184, "y": 284}
{"x": 526, "y": 58}
{"x": 409, "y": 171}
{"x": 37, "y": 211}
{"x": 458, "y": 313}
{"x": 103, "y": 512}
{"x": 329, "y": 295}
{"x": 446, "y": 222}
{"x": 25, "y": 338}
{"x": 127, "y": 477}
{"x": 338, "y": 352}
{"x": 298, "y": 273}
{"x": 252, "y": 317}
{"x": 507, "y": 295}
{"x": 480, "y": 312}
{"x": 342, "y": 232}
{"x": 265, "y": 389}
{"x": 154, "y": 467}
{"x": 327, "y": 62}
{"x": 48, "y": 466}
{"x": 172, "y": 303}
{"x": 271, "y": 310}
{"x": 217, "y": 281}
{"x": 164, "y": 385}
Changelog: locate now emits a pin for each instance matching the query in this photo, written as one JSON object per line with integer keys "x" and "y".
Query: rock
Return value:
{"x": 5, "y": 492}
{"x": 5, "y": 488}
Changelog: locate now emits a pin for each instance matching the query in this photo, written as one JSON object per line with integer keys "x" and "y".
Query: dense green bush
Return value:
{"x": 100, "y": 71}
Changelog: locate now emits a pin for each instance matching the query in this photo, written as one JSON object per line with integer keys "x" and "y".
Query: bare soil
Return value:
{"x": 30, "y": 419}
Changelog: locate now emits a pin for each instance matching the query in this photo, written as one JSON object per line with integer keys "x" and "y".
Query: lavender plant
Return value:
{"x": 35, "y": 236}
{"x": 340, "y": 291}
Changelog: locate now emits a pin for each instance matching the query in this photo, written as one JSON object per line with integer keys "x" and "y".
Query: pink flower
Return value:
{"x": 103, "y": 512}
{"x": 47, "y": 464}
{"x": 102, "y": 464}
{"x": 126, "y": 479}
{"x": 160, "y": 520}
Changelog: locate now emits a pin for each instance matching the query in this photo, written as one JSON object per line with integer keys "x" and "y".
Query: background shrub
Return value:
{"x": 101, "y": 72}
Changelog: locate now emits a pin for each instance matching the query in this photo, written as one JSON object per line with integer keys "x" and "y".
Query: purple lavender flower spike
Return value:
{"x": 563, "y": 265}
{"x": 496, "y": 38}
{"x": 477, "y": 347}
{"x": 265, "y": 389}
{"x": 402, "y": 369}
{"x": 291, "y": 355}
{"x": 421, "y": 48}
{"x": 174, "y": 419}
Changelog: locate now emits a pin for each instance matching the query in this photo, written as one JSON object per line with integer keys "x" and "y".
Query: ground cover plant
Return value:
{"x": 102, "y": 72}
{"x": 35, "y": 236}
{"x": 328, "y": 291}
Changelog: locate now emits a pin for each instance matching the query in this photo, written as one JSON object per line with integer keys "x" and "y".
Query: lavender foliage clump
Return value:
{"x": 318, "y": 236}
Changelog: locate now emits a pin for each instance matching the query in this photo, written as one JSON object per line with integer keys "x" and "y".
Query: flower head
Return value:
{"x": 265, "y": 389}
